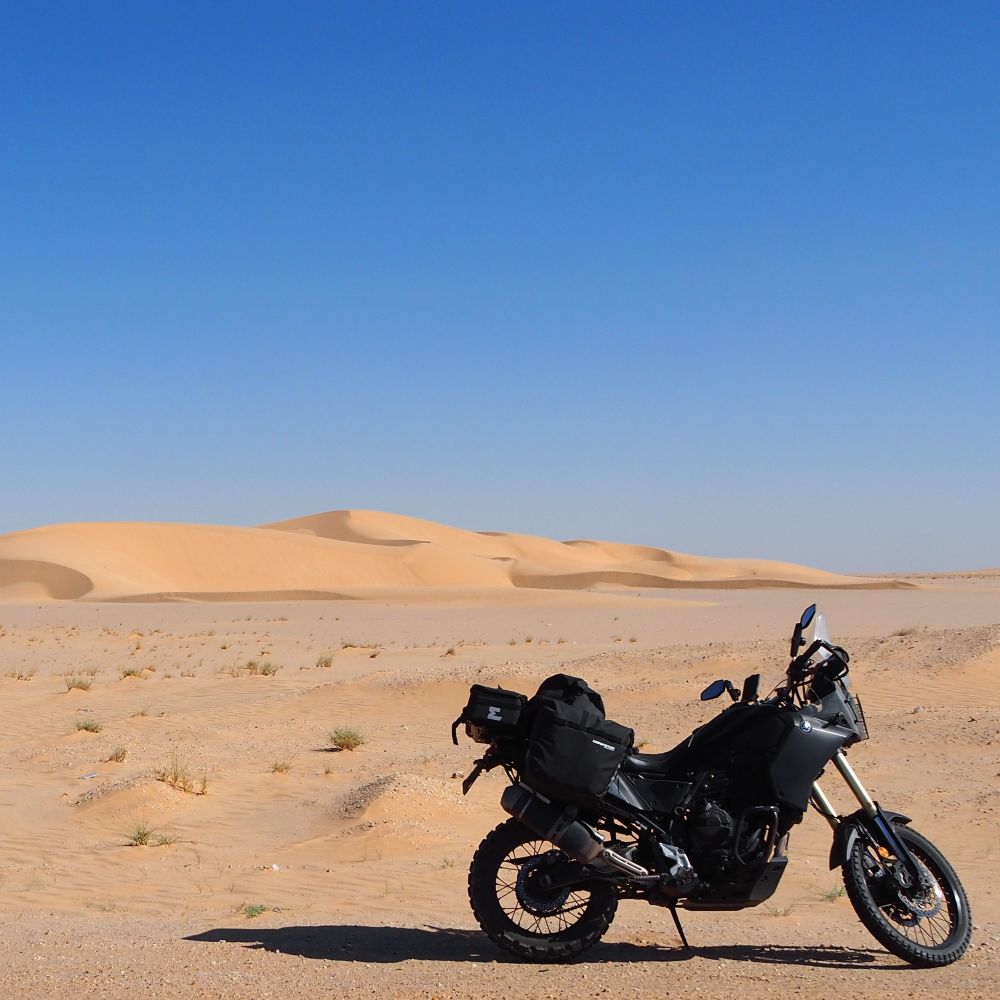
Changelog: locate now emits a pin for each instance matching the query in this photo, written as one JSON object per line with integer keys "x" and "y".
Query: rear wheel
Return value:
{"x": 515, "y": 896}
{"x": 928, "y": 924}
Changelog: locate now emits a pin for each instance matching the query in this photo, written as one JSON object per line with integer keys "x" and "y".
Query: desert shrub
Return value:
{"x": 347, "y": 738}
{"x": 143, "y": 834}
{"x": 178, "y": 775}
{"x": 140, "y": 834}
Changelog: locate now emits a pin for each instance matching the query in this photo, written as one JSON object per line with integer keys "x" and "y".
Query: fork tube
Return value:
{"x": 854, "y": 783}
{"x": 824, "y": 806}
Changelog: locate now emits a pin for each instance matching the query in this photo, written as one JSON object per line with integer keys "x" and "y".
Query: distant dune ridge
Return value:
{"x": 349, "y": 553}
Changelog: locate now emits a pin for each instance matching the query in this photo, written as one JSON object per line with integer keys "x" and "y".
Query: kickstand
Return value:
{"x": 680, "y": 930}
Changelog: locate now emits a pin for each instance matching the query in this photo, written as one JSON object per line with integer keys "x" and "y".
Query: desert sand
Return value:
{"x": 276, "y": 866}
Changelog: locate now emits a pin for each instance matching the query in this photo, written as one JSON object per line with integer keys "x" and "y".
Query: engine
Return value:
{"x": 710, "y": 830}
{"x": 722, "y": 836}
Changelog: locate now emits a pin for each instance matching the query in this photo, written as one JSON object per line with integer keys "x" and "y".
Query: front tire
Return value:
{"x": 927, "y": 926}
{"x": 518, "y": 913}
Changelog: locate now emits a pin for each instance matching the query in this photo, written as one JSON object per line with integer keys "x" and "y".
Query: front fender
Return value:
{"x": 847, "y": 832}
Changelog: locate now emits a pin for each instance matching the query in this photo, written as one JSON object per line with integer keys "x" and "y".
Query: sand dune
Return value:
{"x": 348, "y": 553}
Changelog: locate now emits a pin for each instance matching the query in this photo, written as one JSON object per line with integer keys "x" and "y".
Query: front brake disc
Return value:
{"x": 927, "y": 899}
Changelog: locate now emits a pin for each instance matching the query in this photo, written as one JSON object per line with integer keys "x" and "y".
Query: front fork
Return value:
{"x": 823, "y": 804}
{"x": 869, "y": 822}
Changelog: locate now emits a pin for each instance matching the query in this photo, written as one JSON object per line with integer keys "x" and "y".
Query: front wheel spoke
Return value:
{"x": 942, "y": 929}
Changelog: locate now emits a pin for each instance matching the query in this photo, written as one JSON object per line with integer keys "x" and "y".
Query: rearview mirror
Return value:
{"x": 713, "y": 690}
{"x": 717, "y": 687}
{"x": 803, "y": 623}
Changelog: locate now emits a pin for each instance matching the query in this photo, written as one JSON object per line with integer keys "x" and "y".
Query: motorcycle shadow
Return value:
{"x": 358, "y": 943}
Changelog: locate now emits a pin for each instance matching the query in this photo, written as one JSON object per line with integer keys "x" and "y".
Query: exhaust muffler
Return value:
{"x": 559, "y": 825}
{"x": 552, "y": 822}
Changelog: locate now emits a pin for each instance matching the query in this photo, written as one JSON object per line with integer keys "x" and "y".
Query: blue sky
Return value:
{"x": 717, "y": 277}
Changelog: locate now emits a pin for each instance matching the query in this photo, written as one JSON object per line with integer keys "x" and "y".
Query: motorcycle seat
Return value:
{"x": 650, "y": 763}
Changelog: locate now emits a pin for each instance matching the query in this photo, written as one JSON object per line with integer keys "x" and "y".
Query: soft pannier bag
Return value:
{"x": 492, "y": 714}
{"x": 573, "y": 752}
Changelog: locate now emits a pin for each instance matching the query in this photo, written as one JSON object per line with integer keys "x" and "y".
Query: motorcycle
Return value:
{"x": 704, "y": 826}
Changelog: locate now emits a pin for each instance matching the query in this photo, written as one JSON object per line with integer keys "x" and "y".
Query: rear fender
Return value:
{"x": 848, "y": 831}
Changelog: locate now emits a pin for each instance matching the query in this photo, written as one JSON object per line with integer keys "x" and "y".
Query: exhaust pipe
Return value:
{"x": 555, "y": 823}
{"x": 559, "y": 825}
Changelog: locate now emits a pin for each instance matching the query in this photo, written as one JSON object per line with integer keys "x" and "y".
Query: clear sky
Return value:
{"x": 721, "y": 277}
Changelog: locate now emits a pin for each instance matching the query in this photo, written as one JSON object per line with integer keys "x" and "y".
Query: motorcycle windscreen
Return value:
{"x": 820, "y": 630}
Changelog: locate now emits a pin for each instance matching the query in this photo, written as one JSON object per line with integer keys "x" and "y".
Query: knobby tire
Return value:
{"x": 579, "y": 922}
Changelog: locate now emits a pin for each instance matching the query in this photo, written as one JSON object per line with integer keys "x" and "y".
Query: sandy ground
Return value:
{"x": 359, "y": 858}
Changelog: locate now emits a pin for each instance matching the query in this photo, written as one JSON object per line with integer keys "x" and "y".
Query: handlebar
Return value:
{"x": 801, "y": 668}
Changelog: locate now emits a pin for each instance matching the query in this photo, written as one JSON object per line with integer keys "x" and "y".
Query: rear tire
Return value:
{"x": 518, "y": 914}
{"x": 928, "y": 927}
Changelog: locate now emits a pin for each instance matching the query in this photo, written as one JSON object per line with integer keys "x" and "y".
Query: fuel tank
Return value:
{"x": 774, "y": 753}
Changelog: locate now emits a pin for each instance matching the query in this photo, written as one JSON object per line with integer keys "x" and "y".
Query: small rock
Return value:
{"x": 457, "y": 774}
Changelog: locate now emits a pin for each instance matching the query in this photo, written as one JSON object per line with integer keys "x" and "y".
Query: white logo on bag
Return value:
{"x": 607, "y": 746}
{"x": 494, "y": 714}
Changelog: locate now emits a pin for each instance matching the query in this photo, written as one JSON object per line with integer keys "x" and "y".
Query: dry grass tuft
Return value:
{"x": 128, "y": 672}
{"x": 252, "y": 668}
{"x": 325, "y": 661}
{"x": 117, "y": 756}
{"x": 89, "y": 726}
{"x": 281, "y": 767}
{"x": 347, "y": 738}
{"x": 78, "y": 684}
{"x": 178, "y": 776}
{"x": 141, "y": 834}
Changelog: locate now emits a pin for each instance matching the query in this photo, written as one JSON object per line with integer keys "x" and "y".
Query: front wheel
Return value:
{"x": 927, "y": 925}
{"x": 519, "y": 894}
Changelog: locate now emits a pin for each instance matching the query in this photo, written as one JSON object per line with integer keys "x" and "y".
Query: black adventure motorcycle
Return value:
{"x": 703, "y": 826}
